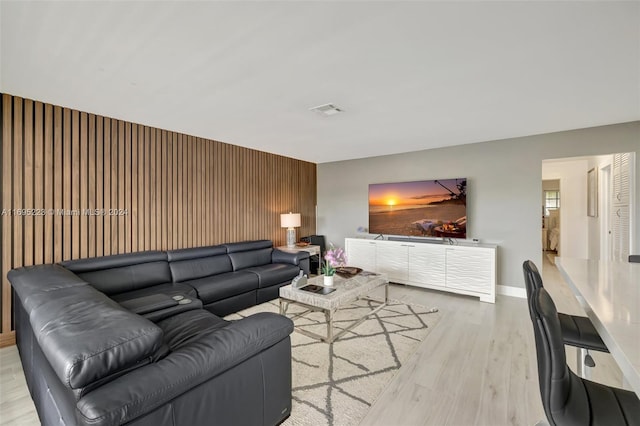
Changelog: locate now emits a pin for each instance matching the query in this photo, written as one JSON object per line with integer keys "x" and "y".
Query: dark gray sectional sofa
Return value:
{"x": 138, "y": 339}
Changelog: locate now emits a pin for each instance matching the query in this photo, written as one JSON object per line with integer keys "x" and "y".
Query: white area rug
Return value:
{"x": 336, "y": 384}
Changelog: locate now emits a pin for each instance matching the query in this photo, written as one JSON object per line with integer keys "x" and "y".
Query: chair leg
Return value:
{"x": 584, "y": 363}
{"x": 588, "y": 360}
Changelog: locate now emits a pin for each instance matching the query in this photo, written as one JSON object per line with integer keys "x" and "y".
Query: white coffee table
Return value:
{"x": 348, "y": 291}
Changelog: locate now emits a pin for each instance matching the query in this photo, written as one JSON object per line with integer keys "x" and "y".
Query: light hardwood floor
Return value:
{"x": 476, "y": 367}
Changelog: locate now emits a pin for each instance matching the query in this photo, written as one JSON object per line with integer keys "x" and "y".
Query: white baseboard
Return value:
{"x": 507, "y": 290}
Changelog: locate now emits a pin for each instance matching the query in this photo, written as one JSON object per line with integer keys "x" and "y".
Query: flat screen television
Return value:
{"x": 427, "y": 208}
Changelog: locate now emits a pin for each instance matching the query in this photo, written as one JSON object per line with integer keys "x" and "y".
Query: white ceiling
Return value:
{"x": 409, "y": 75}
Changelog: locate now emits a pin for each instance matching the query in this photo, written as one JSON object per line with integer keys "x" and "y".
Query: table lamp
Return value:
{"x": 290, "y": 221}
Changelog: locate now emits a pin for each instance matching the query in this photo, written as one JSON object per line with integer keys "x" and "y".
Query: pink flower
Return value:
{"x": 334, "y": 258}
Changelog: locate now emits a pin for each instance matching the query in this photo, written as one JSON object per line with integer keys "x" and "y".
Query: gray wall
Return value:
{"x": 504, "y": 185}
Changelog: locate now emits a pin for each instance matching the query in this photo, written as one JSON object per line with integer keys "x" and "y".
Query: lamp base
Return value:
{"x": 291, "y": 237}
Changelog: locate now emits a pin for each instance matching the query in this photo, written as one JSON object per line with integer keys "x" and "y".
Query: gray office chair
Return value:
{"x": 568, "y": 399}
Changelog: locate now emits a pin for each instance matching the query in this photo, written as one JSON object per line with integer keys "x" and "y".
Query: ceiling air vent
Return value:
{"x": 326, "y": 109}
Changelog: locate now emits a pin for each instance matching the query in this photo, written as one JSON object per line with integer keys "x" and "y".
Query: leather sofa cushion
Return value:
{"x": 218, "y": 287}
{"x": 153, "y": 302}
{"x": 279, "y": 256}
{"x": 249, "y": 253}
{"x": 184, "y": 270}
{"x": 181, "y": 329}
{"x": 159, "y": 383}
{"x": 34, "y": 284}
{"x": 247, "y": 246}
{"x": 247, "y": 259}
{"x": 274, "y": 273}
{"x": 86, "y": 336}
{"x": 168, "y": 289}
{"x": 122, "y": 272}
{"x": 195, "y": 253}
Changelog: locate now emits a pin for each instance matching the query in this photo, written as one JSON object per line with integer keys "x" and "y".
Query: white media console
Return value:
{"x": 458, "y": 268}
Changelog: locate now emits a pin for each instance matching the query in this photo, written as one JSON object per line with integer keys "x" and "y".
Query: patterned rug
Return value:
{"x": 336, "y": 384}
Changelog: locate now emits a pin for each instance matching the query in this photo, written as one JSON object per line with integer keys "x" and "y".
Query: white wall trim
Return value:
{"x": 507, "y": 290}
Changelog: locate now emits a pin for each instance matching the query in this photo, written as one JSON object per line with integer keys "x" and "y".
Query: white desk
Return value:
{"x": 609, "y": 292}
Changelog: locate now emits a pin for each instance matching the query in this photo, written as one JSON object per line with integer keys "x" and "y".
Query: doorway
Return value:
{"x": 606, "y": 232}
{"x": 551, "y": 218}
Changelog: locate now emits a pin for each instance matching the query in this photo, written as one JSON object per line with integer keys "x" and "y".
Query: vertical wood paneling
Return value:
{"x": 126, "y": 189}
{"x": 91, "y": 236}
{"x": 38, "y": 183}
{"x": 27, "y": 168}
{"x": 162, "y": 191}
{"x": 99, "y": 186}
{"x": 83, "y": 181}
{"x": 147, "y": 193}
{"x": 49, "y": 183}
{"x": 133, "y": 200}
{"x": 174, "y": 201}
{"x": 121, "y": 180}
{"x": 66, "y": 168}
{"x": 75, "y": 187}
{"x": 17, "y": 187}
{"x": 7, "y": 202}
{"x": 58, "y": 189}
{"x": 153, "y": 181}
{"x": 139, "y": 198}
{"x": 113, "y": 218}
{"x": 189, "y": 193}
{"x": 106, "y": 192}
{"x": 167, "y": 190}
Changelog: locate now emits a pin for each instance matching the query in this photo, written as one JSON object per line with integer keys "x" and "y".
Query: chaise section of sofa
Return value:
{"x": 141, "y": 282}
{"x": 90, "y": 361}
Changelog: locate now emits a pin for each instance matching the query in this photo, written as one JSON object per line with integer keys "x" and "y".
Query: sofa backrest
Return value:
{"x": 122, "y": 272}
{"x": 193, "y": 263}
{"x": 85, "y": 336}
{"x": 249, "y": 253}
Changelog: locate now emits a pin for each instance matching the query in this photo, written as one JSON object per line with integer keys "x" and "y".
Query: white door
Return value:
{"x": 622, "y": 205}
{"x": 605, "y": 213}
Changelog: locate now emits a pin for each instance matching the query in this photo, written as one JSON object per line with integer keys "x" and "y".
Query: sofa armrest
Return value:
{"x": 149, "y": 387}
{"x": 279, "y": 256}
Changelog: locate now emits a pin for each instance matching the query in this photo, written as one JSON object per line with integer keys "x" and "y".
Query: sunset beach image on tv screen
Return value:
{"x": 429, "y": 208}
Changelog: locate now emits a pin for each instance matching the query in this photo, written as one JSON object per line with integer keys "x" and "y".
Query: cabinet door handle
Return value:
{"x": 618, "y": 212}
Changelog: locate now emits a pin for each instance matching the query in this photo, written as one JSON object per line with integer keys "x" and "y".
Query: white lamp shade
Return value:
{"x": 290, "y": 220}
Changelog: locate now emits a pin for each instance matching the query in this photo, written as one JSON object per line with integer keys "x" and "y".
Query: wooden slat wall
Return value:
{"x": 172, "y": 190}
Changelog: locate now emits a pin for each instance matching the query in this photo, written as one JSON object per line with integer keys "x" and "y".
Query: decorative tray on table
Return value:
{"x": 348, "y": 271}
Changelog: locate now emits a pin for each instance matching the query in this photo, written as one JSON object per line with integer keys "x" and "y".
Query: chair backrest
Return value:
{"x": 564, "y": 397}
{"x": 634, "y": 258}
{"x": 532, "y": 281}
{"x": 316, "y": 240}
